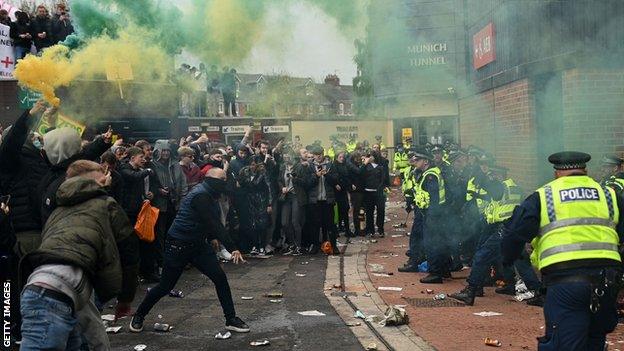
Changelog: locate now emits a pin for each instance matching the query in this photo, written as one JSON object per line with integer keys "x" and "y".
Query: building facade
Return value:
{"x": 531, "y": 77}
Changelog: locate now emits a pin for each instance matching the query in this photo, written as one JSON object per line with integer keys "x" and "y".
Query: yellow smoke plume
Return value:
{"x": 58, "y": 66}
{"x": 45, "y": 73}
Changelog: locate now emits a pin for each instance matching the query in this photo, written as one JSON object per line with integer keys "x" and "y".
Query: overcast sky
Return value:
{"x": 301, "y": 40}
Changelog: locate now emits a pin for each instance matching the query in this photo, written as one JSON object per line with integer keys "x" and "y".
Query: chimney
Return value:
{"x": 332, "y": 79}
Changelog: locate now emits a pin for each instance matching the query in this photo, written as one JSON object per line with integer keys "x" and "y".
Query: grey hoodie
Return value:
{"x": 170, "y": 176}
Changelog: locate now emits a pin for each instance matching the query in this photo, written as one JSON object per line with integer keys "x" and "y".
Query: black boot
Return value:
{"x": 467, "y": 295}
{"x": 432, "y": 279}
{"x": 508, "y": 289}
{"x": 409, "y": 268}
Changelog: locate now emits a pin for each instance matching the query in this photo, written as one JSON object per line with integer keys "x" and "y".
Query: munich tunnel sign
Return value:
{"x": 484, "y": 46}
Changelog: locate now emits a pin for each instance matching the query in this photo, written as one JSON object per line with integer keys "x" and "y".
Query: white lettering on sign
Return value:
{"x": 212, "y": 128}
{"x": 194, "y": 129}
{"x": 275, "y": 129}
{"x": 234, "y": 129}
{"x": 579, "y": 194}
{"x": 428, "y": 61}
{"x": 425, "y": 48}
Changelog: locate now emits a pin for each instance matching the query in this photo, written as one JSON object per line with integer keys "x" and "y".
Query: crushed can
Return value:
{"x": 176, "y": 293}
{"x": 161, "y": 327}
{"x": 492, "y": 342}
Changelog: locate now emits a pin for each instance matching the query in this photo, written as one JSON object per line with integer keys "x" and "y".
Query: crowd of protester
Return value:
{"x": 34, "y": 32}
{"x": 278, "y": 197}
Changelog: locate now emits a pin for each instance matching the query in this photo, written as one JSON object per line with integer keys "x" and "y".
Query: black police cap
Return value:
{"x": 421, "y": 152}
{"x": 611, "y": 160}
{"x": 569, "y": 160}
{"x": 455, "y": 154}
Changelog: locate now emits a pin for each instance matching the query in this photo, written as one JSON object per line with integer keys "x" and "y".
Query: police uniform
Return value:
{"x": 351, "y": 145}
{"x": 615, "y": 181}
{"x": 574, "y": 226}
{"x": 429, "y": 200}
{"x": 488, "y": 253}
{"x": 401, "y": 160}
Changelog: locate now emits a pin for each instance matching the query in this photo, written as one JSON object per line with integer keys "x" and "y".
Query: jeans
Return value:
{"x": 372, "y": 201}
{"x": 570, "y": 325}
{"x": 291, "y": 220}
{"x": 20, "y": 52}
{"x": 489, "y": 254}
{"x": 48, "y": 324}
{"x": 526, "y": 272}
{"x": 177, "y": 255}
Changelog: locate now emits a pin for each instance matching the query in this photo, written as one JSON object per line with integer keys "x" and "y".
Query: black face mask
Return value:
{"x": 217, "y": 185}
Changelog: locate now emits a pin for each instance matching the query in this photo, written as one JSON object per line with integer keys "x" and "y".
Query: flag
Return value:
{"x": 7, "y": 53}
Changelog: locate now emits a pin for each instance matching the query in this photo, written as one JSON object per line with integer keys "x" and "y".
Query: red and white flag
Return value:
{"x": 7, "y": 53}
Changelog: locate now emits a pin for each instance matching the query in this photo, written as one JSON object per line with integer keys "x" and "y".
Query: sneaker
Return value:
{"x": 254, "y": 251}
{"x": 136, "y": 324}
{"x": 289, "y": 251}
{"x": 261, "y": 252}
{"x": 269, "y": 250}
{"x": 224, "y": 254}
{"x": 297, "y": 252}
{"x": 236, "y": 324}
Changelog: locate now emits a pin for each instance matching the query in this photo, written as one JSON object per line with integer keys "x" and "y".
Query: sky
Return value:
{"x": 305, "y": 43}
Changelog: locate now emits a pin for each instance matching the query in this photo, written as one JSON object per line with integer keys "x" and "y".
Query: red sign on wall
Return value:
{"x": 483, "y": 46}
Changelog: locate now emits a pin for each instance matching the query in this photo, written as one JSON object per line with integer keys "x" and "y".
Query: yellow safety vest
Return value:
{"x": 577, "y": 221}
{"x": 351, "y": 145}
{"x": 401, "y": 161}
{"x": 331, "y": 153}
{"x": 616, "y": 183}
{"x": 472, "y": 187}
{"x": 422, "y": 198}
{"x": 499, "y": 211}
{"x": 408, "y": 181}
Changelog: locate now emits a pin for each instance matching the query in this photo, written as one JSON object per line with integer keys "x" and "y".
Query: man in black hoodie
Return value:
{"x": 374, "y": 178}
{"x": 193, "y": 238}
{"x": 21, "y": 34}
{"x": 41, "y": 27}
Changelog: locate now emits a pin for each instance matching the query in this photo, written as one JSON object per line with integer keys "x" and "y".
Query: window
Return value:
{"x": 321, "y": 109}
{"x": 299, "y": 109}
{"x": 341, "y": 109}
{"x": 221, "y": 107}
{"x": 236, "y": 105}
{"x": 309, "y": 90}
{"x": 350, "y": 109}
{"x": 310, "y": 109}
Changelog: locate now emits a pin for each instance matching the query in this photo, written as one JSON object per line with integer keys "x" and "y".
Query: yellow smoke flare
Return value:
{"x": 45, "y": 73}
{"x": 58, "y": 66}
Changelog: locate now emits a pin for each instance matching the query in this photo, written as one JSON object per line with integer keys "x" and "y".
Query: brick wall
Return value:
{"x": 502, "y": 122}
{"x": 593, "y": 109}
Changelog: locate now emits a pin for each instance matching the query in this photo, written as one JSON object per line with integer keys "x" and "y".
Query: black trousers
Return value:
{"x": 229, "y": 101}
{"x": 357, "y": 200}
{"x": 320, "y": 217}
{"x": 177, "y": 255}
{"x": 374, "y": 200}
{"x": 342, "y": 200}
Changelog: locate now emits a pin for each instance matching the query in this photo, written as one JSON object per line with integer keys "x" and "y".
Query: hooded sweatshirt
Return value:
{"x": 62, "y": 147}
{"x": 170, "y": 176}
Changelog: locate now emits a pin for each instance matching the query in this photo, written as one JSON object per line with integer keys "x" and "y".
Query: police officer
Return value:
{"x": 379, "y": 142}
{"x": 574, "y": 226}
{"x": 440, "y": 158}
{"x": 401, "y": 160}
{"x": 430, "y": 199}
{"x": 612, "y": 175}
{"x": 351, "y": 144}
{"x": 415, "y": 252}
{"x": 488, "y": 253}
{"x": 456, "y": 180}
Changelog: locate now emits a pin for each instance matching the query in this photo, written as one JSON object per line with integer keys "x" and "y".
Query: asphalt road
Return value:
{"x": 197, "y": 317}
